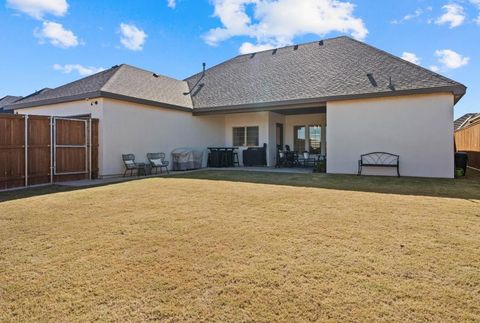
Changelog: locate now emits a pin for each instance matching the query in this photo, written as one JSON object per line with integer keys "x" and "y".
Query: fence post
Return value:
{"x": 90, "y": 147}
{"x": 54, "y": 135}
{"x": 26, "y": 149}
{"x": 51, "y": 150}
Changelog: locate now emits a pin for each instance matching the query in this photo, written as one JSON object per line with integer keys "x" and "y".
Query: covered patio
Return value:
{"x": 297, "y": 129}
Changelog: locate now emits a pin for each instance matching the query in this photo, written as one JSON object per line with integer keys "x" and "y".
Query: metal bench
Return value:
{"x": 379, "y": 159}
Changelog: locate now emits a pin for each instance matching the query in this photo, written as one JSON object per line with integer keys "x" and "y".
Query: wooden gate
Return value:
{"x": 40, "y": 149}
{"x": 468, "y": 140}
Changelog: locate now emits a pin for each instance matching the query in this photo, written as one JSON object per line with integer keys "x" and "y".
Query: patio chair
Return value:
{"x": 131, "y": 165}
{"x": 281, "y": 158}
{"x": 157, "y": 161}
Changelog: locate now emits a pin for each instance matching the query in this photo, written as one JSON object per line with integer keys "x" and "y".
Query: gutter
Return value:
{"x": 95, "y": 95}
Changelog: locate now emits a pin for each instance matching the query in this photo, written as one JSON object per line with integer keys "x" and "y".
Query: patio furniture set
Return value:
{"x": 155, "y": 162}
{"x": 289, "y": 158}
{"x": 219, "y": 157}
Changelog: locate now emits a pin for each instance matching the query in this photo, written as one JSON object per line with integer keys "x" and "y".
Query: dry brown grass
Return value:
{"x": 189, "y": 249}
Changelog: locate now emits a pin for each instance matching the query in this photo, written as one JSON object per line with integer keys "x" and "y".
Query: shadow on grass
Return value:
{"x": 464, "y": 188}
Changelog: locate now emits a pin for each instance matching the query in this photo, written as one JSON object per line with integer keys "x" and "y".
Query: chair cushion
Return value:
{"x": 129, "y": 162}
{"x": 156, "y": 162}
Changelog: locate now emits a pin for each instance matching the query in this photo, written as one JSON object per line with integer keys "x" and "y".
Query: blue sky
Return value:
{"x": 46, "y": 43}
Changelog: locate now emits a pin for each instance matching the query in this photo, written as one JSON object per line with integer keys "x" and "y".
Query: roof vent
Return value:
{"x": 295, "y": 47}
{"x": 115, "y": 66}
{"x": 391, "y": 86}
{"x": 372, "y": 80}
{"x": 320, "y": 43}
{"x": 155, "y": 75}
{"x": 274, "y": 51}
{"x": 252, "y": 55}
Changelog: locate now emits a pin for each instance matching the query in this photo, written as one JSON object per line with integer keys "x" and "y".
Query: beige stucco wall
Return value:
{"x": 273, "y": 119}
{"x": 419, "y": 128}
{"x": 139, "y": 129}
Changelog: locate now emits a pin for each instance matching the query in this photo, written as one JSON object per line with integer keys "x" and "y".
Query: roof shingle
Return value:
{"x": 332, "y": 68}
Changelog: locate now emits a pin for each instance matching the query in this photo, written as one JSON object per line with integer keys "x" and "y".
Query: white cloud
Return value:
{"x": 274, "y": 23}
{"x": 132, "y": 37}
{"x": 434, "y": 68}
{"x": 477, "y": 4}
{"x": 82, "y": 70}
{"x": 56, "y": 34}
{"x": 409, "y": 16}
{"x": 411, "y": 57}
{"x": 454, "y": 15}
{"x": 248, "y": 47}
{"x": 39, "y": 8}
{"x": 450, "y": 59}
{"x": 171, "y": 4}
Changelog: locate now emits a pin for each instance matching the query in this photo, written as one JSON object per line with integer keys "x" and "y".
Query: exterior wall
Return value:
{"x": 273, "y": 119}
{"x": 419, "y": 128}
{"x": 260, "y": 119}
{"x": 80, "y": 107}
{"x": 139, "y": 129}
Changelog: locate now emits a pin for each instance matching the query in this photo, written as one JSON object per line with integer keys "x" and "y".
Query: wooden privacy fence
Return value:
{"x": 468, "y": 140}
{"x": 40, "y": 149}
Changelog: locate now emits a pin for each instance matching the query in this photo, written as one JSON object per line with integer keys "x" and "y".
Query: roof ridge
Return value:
{"x": 262, "y": 51}
{"x": 405, "y": 61}
{"x": 293, "y": 45}
{"x": 117, "y": 67}
{"x": 148, "y": 71}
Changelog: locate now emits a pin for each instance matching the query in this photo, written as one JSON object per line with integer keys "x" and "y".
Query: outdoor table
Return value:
{"x": 221, "y": 156}
{"x": 142, "y": 168}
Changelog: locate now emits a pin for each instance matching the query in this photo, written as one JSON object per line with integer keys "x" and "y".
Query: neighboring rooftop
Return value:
{"x": 313, "y": 73}
{"x": 7, "y": 100}
{"x": 121, "y": 82}
{"x": 465, "y": 120}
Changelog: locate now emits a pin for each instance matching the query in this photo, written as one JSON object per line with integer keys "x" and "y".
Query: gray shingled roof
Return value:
{"x": 7, "y": 100}
{"x": 463, "y": 120}
{"x": 313, "y": 73}
{"x": 122, "y": 82}
{"x": 337, "y": 68}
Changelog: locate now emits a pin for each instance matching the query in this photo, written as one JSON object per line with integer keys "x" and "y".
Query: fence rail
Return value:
{"x": 40, "y": 149}
{"x": 468, "y": 140}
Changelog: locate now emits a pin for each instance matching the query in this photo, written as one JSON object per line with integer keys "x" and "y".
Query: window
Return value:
{"x": 315, "y": 139}
{"x": 238, "y": 136}
{"x": 245, "y": 136}
{"x": 299, "y": 139}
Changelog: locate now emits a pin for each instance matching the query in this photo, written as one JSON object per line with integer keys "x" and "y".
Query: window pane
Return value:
{"x": 252, "y": 136}
{"x": 239, "y": 136}
{"x": 315, "y": 135}
{"x": 299, "y": 139}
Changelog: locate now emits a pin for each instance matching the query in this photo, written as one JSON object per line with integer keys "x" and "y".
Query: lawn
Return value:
{"x": 241, "y": 246}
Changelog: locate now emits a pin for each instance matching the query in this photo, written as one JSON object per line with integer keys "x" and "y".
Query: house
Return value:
{"x": 370, "y": 100}
{"x": 465, "y": 120}
{"x": 7, "y": 100}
